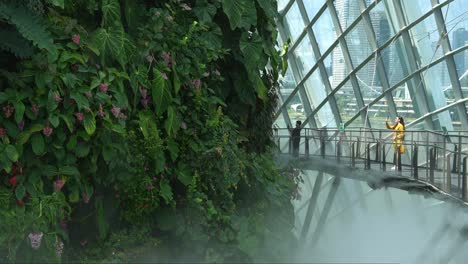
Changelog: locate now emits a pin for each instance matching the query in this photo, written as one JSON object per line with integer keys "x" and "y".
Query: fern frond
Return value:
{"x": 29, "y": 25}
{"x": 13, "y": 42}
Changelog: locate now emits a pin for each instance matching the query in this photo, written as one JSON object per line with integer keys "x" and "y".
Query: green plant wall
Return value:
{"x": 154, "y": 115}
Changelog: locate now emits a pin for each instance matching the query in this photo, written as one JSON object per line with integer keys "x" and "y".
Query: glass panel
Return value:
{"x": 304, "y": 56}
{"x": 315, "y": 89}
{"x": 461, "y": 63}
{"x": 347, "y": 11}
{"x": 369, "y": 81}
{"x": 405, "y": 98}
{"x": 282, "y": 4}
{"x": 456, "y": 22}
{"x": 394, "y": 67}
{"x": 425, "y": 37}
{"x": 280, "y": 123}
{"x": 380, "y": 23}
{"x": 312, "y": 7}
{"x": 448, "y": 118}
{"x": 461, "y": 60}
{"x": 287, "y": 84}
{"x": 296, "y": 109}
{"x": 404, "y": 104}
{"x": 378, "y": 113}
{"x": 433, "y": 83}
{"x": 337, "y": 66}
{"x": 358, "y": 45}
{"x": 414, "y": 9}
{"x": 346, "y": 102}
{"x": 438, "y": 78}
{"x": 324, "y": 31}
{"x": 293, "y": 22}
{"x": 325, "y": 117}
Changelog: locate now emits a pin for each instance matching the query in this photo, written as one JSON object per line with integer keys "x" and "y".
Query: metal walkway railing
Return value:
{"x": 438, "y": 158}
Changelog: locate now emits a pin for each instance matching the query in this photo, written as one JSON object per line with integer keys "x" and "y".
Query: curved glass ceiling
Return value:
{"x": 358, "y": 62}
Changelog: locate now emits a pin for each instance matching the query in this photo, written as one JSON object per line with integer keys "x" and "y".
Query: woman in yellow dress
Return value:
{"x": 398, "y": 136}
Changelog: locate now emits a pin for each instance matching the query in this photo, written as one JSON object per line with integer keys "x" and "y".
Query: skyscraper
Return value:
{"x": 460, "y": 37}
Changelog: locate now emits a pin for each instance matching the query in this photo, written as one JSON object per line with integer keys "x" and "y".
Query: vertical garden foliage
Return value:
{"x": 119, "y": 113}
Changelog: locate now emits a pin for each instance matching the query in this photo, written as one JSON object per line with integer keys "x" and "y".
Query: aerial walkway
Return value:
{"x": 342, "y": 172}
{"x": 433, "y": 161}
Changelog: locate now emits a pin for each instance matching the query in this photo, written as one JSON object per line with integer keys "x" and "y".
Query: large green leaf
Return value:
{"x": 184, "y": 175}
{"x": 59, "y": 3}
{"x": 204, "y": 11}
{"x": 111, "y": 13}
{"x": 13, "y": 42}
{"x": 31, "y": 26}
{"x": 233, "y": 10}
{"x": 172, "y": 123}
{"x": 82, "y": 150}
{"x": 49, "y": 170}
{"x": 38, "y": 145}
{"x": 249, "y": 15}
{"x": 251, "y": 47}
{"x": 161, "y": 94}
{"x": 80, "y": 99}
{"x": 173, "y": 148}
{"x": 19, "y": 111}
{"x": 112, "y": 44}
{"x": 89, "y": 123}
{"x": 69, "y": 171}
{"x": 165, "y": 191}
{"x": 147, "y": 124}
{"x": 270, "y": 7}
{"x": 12, "y": 153}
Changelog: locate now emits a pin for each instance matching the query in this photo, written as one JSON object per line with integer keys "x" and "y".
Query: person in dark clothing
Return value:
{"x": 296, "y": 138}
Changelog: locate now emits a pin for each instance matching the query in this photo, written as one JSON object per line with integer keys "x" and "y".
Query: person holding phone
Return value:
{"x": 398, "y": 136}
{"x": 296, "y": 137}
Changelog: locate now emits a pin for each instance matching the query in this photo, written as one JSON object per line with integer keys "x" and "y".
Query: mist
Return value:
{"x": 378, "y": 226}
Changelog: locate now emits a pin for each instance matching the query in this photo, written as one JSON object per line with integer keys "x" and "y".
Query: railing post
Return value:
{"x": 431, "y": 165}
{"x": 384, "y": 162}
{"x": 322, "y": 146}
{"x": 368, "y": 156}
{"x": 464, "y": 182}
{"x": 399, "y": 159}
{"x": 279, "y": 144}
{"x": 459, "y": 170}
{"x": 415, "y": 162}
{"x": 353, "y": 156}
{"x": 338, "y": 150}
{"x": 377, "y": 152}
{"x": 290, "y": 145}
{"x": 358, "y": 148}
{"x": 448, "y": 175}
{"x": 455, "y": 158}
{"x": 307, "y": 148}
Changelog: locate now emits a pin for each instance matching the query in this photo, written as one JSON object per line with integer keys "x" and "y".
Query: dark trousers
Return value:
{"x": 295, "y": 147}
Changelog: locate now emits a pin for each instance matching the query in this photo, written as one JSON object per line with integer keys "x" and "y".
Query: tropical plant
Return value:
{"x": 155, "y": 113}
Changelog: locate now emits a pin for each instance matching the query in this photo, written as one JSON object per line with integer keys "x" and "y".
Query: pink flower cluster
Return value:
{"x": 144, "y": 97}
{"x": 47, "y": 130}
{"x": 103, "y": 88}
{"x": 79, "y": 116}
{"x": 59, "y": 249}
{"x": 8, "y": 110}
{"x": 76, "y": 39}
{"x": 35, "y": 239}
{"x": 196, "y": 83}
{"x": 58, "y": 184}
{"x": 167, "y": 58}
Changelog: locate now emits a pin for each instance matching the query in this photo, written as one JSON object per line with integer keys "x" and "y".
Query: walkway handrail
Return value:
{"x": 433, "y": 156}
